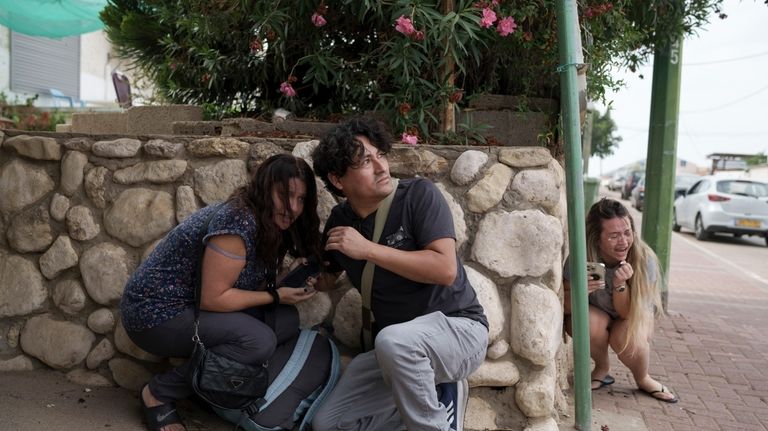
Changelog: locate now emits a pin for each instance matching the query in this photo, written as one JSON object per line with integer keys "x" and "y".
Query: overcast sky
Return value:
{"x": 723, "y": 94}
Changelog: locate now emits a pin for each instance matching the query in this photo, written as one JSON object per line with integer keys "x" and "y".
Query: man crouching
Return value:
{"x": 432, "y": 332}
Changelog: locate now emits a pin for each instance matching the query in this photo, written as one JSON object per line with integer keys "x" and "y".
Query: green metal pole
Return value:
{"x": 567, "y": 22}
{"x": 661, "y": 160}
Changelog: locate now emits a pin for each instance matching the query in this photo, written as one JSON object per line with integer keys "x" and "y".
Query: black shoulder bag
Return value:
{"x": 218, "y": 380}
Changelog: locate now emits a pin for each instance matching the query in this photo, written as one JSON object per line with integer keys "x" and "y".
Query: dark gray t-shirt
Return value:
{"x": 603, "y": 298}
{"x": 419, "y": 215}
{"x": 600, "y": 298}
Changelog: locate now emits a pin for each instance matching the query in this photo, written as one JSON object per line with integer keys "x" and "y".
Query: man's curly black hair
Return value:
{"x": 340, "y": 149}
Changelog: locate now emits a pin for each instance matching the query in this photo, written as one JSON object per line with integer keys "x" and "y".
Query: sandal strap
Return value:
{"x": 160, "y": 416}
{"x": 664, "y": 390}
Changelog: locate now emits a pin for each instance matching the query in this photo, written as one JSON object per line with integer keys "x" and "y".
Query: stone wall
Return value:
{"x": 78, "y": 213}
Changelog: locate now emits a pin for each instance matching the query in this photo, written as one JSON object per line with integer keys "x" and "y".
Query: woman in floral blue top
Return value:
{"x": 245, "y": 240}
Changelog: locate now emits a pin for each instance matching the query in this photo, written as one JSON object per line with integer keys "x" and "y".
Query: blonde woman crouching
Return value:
{"x": 622, "y": 307}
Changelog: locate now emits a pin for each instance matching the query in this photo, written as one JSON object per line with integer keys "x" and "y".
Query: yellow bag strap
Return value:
{"x": 366, "y": 284}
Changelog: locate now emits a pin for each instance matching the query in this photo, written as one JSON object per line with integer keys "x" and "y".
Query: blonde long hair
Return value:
{"x": 645, "y": 297}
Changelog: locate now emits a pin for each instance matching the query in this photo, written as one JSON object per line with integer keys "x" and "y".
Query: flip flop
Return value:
{"x": 663, "y": 390}
{"x": 159, "y": 416}
{"x": 607, "y": 380}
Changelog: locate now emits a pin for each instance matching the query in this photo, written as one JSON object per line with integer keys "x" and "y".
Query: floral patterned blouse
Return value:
{"x": 164, "y": 285}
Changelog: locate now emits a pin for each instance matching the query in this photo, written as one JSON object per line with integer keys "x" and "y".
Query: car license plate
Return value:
{"x": 749, "y": 223}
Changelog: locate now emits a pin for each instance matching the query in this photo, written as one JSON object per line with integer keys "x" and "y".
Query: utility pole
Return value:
{"x": 662, "y": 155}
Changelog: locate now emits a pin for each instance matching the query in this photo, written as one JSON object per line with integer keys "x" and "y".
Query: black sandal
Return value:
{"x": 659, "y": 395}
{"x": 606, "y": 381}
{"x": 159, "y": 416}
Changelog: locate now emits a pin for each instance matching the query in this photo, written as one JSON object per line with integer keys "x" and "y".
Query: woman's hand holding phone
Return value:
{"x": 595, "y": 276}
{"x": 304, "y": 274}
{"x": 593, "y": 285}
{"x": 294, "y": 295}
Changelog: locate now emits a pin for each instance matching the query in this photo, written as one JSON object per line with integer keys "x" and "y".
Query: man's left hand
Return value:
{"x": 348, "y": 241}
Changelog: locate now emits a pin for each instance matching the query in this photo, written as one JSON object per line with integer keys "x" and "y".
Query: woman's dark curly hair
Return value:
{"x": 340, "y": 149}
{"x": 302, "y": 238}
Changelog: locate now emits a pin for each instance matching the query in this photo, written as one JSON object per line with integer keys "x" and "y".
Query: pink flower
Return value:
{"x": 318, "y": 20}
{"x": 256, "y": 46}
{"x": 404, "y": 25}
{"x": 489, "y": 17}
{"x": 409, "y": 139}
{"x": 287, "y": 89}
{"x": 506, "y": 26}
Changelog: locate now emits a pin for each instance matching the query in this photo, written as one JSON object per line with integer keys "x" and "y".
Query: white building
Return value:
{"x": 77, "y": 67}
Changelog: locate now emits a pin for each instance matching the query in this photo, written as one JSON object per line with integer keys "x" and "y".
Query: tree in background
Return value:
{"x": 604, "y": 137}
{"x": 410, "y": 59}
{"x": 757, "y": 159}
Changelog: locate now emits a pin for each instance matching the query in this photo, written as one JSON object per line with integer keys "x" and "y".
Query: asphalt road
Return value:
{"x": 734, "y": 272}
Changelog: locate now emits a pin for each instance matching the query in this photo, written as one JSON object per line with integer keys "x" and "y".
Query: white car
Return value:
{"x": 714, "y": 204}
{"x": 617, "y": 181}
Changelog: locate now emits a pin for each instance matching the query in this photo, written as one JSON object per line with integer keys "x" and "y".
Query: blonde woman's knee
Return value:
{"x": 619, "y": 342}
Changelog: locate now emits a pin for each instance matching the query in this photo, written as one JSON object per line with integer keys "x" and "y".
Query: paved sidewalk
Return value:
{"x": 44, "y": 399}
{"x": 712, "y": 350}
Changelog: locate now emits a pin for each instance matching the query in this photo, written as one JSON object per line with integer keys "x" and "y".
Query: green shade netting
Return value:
{"x": 52, "y": 18}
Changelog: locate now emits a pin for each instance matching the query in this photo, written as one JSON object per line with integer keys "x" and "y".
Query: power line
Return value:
{"x": 712, "y": 134}
{"x": 733, "y": 102}
{"x": 726, "y": 60}
{"x": 692, "y": 139}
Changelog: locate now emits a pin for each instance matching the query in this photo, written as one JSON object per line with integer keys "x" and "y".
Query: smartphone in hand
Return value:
{"x": 595, "y": 271}
{"x": 299, "y": 275}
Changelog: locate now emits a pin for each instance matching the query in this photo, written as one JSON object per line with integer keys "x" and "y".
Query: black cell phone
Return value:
{"x": 298, "y": 276}
{"x": 595, "y": 271}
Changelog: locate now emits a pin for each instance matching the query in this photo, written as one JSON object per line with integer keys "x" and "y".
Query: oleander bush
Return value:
{"x": 411, "y": 60}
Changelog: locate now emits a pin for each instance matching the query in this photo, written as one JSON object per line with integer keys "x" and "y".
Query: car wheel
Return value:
{"x": 766, "y": 240}
{"x": 675, "y": 226}
{"x": 701, "y": 233}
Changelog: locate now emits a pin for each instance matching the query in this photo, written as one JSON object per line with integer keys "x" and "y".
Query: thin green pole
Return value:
{"x": 661, "y": 160}
{"x": 567, "y": 23}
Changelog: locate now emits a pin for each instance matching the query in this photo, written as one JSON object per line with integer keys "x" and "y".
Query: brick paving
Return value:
{"x": 712, "y": 349}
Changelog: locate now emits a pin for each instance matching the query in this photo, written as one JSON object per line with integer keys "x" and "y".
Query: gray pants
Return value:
{"x": 393, "y": 386}
{"x": 241, "y": 336}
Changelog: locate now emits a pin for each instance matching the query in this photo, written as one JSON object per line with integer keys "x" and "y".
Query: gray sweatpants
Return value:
{"x": 393, "y": 386}
{"x": 241, "y": 336}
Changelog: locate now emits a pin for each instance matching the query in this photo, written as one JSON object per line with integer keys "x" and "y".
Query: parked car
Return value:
{"x": 630, "y": 181}
{"x": 617, "y": 181}
{"x": 637, "y": 197}
{"x": 683, "y": 182}
{"x": 727, "y": 205}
